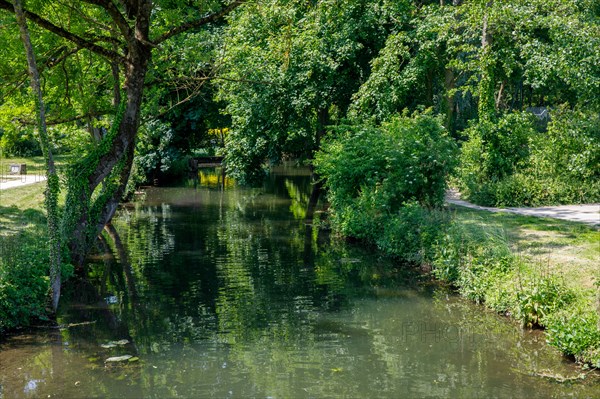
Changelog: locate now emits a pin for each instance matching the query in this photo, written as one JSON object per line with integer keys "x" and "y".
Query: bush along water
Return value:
{"x": 386, "y": 187}
{"x": 385, "y": 183}
{"x": 24, "y": 281}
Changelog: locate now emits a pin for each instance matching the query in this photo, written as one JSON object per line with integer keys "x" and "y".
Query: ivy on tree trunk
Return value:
{"x": 53, "y": 186}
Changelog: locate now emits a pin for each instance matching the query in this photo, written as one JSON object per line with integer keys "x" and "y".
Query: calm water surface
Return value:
{"x": 221, "y": 291}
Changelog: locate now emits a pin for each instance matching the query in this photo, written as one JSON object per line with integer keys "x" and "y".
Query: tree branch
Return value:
{"x": 198, "y": 22}
{"x": 52, "y": 122}
{"x": 115, "y": 15}
{"x": 57, "y": 30}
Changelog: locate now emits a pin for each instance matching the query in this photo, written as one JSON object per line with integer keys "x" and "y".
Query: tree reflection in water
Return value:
{"x": 227, "y": 291}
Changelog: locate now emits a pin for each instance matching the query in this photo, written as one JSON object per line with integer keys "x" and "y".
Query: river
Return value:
{"x": 219, "y": 291}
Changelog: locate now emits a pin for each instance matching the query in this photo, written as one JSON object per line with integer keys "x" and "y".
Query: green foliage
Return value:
{"x": 411, "y": 232}
{"x": 24, "y": 280}
{"x": 567, "y": 157}
{"x": 19, "y": 143}
{"x": 290, "y": 69}
{"x": 407, "y": 159}
{"x": 382, "y": 179}
{"x": 495, "y": 149}
{"x": 540, "y": 296}
{"x": 576, "y": 332}
{"x": 155, "y": 155}
{"x": 408, "y": 72}
{"x": 472, "y": 258}
{"x": 477, "y": 260}
{"x": 509, "y": 163}
{"x": 79, "y": 201}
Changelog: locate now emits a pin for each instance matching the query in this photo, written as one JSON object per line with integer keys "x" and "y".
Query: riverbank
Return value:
{"x": 529, "y": 268}
{"x": 542, "y": 272}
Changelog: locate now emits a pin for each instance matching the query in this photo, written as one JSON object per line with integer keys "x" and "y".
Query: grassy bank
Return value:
{"x": 542, "y": 272}
{"x": 23, "y": 256}
{"x": 24, "y": 281}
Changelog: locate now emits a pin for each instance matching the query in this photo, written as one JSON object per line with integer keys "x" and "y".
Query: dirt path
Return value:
{"x": 7, "y": 182}
{"x": 588, "y": 214}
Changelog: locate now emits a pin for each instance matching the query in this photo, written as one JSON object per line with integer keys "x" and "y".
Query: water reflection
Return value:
{"x": 227, "y": 292}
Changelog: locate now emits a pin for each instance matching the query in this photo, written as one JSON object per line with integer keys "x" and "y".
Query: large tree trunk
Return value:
{"x": 96, "y": 183}
{"x": 53, "y": 187}
{"x": 116, "y": 162}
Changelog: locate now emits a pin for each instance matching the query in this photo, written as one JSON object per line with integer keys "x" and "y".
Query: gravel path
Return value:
{"x": 588, "y": 214}
{"x": 7, "y": 182}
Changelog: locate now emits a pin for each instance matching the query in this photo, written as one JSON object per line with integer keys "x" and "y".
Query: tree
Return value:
{"x": 289, "y": 70}
{"x": 408, "y": 72}
{"x": 53, "y": 188}
{"x": 124, "y": 34}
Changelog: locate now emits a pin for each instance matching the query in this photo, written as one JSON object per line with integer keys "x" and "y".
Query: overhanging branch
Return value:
{"x": 57, "y": 30}
{"x": 198, "y": 22}
{"x": 115, "y": 15}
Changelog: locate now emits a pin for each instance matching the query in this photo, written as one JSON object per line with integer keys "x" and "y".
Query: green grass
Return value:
{"x": 35, "y": 165}
{"x": 23, "y": 256}
{"x": 566, "y": 248}
{"x": 24, "y": 281}
{"x": 21, "y": 208}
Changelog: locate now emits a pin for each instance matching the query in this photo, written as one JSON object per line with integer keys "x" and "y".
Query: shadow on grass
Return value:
{"x": 14, "y": 220}
{"x": 535, "y": 235}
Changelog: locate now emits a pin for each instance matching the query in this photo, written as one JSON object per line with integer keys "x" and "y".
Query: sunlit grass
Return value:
{"x": 21, "y": 207}
{"x": 35, "y": 165}
{"x": 566, "y": 248}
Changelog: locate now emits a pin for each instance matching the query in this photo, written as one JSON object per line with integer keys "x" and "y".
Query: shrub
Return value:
{"x": 24, "y": 281}
{"x": 494, "y": 150}
{"x": 384, "y": 182}
{"x": 508, "y": 163}
{"x": 412, "y": 232}
{"x": 407, "y": 159}
{"x": 576, "y": 332}
{"x": 540, "y": 296}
